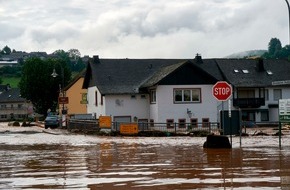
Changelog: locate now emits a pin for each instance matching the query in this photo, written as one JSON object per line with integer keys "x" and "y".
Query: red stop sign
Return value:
{"x": 222, "y": 91}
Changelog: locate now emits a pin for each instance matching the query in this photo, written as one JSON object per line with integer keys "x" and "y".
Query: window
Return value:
{"x": 266, "y": 94}
{"x": 151, "y": 122}
{"x": 248, "y": 93}
{"x": 96, "y": 98}
{"x": 21, "y": 116}
{"x": 194, "y": 122}
{"x": 133, "y": 96}
{"x": 143, "y": 96}
{"x": 153, "y": 96}
{"x": 264, "y": 116}
{"x": 84, "y": 99}
{"x": 277, "y": 94}
{"x": 187, "y": 95}
{"x": 181, "y": 123}
{"x": 205, "y": 122}
{"x": 20, "y": 105}
{"x": 245, "y": 71}
{"x": 269, "y": 72}
{"x": 170, "y": 123}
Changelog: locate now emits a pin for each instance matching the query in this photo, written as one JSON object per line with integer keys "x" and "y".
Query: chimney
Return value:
{"x": 260, "y": 65}
{"x": 198, "y": 59}
{"x": 96, "y": 59}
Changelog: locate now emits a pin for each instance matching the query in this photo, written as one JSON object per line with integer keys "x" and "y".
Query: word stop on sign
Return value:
{"x": 222, "y": 91}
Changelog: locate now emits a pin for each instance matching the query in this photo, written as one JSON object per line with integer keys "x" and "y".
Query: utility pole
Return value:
{"x": 289, "y": 17}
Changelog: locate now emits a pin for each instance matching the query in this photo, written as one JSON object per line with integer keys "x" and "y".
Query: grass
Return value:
{"x": 13, "y": 81}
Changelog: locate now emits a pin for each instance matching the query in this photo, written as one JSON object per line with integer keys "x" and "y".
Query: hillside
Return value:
{"x": 250, "y": 53}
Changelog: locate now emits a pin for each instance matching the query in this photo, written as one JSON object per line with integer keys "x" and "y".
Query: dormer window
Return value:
{"x": 269, "y": 72}
{"x": 245, "y": 71}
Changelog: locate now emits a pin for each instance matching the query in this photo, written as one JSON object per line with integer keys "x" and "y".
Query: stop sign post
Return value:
{"x": 222, "y": 90}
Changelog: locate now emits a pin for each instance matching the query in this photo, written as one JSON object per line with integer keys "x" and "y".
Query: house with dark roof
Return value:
{"x": 152, "y": 90}
{"x": 180, "y": 90}
{"x": 257, "y": 86}
{"x": 13, "y": 106}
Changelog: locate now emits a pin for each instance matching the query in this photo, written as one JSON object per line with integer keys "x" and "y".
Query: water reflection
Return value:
{"x": 113, "y": 165}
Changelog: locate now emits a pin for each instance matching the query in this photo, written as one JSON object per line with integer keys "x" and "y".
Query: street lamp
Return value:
{"x": 289, "y": 17}
{"x": 62, "y": 99}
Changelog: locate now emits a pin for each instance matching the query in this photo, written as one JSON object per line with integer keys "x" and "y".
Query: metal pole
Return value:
{"x": 223, "y": 118}
{"x": 61, "y": 90}
{"x": 62, "y": 76}
{"x": 289, "y": 17}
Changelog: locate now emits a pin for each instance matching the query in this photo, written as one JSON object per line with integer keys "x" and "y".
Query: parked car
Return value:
{"x": 51, "y": 121}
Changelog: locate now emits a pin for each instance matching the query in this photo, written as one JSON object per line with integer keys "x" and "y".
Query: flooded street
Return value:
{"x": 68, "y": 161}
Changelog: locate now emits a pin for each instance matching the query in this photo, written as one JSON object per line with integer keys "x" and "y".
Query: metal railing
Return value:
{"x": 176, "y": 128}
{"x": 82, "y": 125}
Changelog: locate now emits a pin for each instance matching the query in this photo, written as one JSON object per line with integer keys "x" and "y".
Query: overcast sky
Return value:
{"x": 143, "y": 28}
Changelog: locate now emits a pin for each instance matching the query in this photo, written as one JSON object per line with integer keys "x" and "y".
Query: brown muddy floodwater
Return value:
{"x": 45, "y": 161}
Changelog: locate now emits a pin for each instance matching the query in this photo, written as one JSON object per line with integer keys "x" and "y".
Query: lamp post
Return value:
{"x": 61, "y": 86}
{"x": 289, "y": 17}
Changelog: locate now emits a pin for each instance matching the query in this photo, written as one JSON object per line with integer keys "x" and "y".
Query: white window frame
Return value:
{"x": 185, "y": 97}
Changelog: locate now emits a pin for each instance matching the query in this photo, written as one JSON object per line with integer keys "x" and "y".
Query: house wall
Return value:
{"x": 153, "y": 111}
{"x": 126, "y": 105}
{"x": 165, "y": 108}
{"x": 74, "y": 93}
{"x": 274, "y": 112}
{"x": 15, "y": 110}
{"x": 92, "y": 108}
{"x": 118, "y": 105}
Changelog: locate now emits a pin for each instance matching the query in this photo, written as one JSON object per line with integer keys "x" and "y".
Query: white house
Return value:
{"x": 151, "y": 90}
{"x": 180, "y": 91}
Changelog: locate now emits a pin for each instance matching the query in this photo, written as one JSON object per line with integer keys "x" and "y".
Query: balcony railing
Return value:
{"x": 248, "y": 102}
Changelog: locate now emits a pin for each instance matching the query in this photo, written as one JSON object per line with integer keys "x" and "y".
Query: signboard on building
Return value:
{"x": 129, "y": 129}
{"x": 62, "y": 100}
{"x": 284, "y": 110}
{"x": 105, "y": 122}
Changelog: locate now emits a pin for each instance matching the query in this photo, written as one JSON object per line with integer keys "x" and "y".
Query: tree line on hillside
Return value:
{"x": 72, "y": 58}
{"x": 36, "y": 81}
{"x": 276, "y": 51}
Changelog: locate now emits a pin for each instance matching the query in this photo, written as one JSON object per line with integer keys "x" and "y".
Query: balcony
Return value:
{"x": 248, "y": 102}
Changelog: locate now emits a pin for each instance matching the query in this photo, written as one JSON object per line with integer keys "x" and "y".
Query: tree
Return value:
{"x": 275, "y": 50}
{"x": 37, "y": 84}
{"x": 72, "y": 58}
{"x": 74, "y": 53}
{"x": 6, "y": 50}
{"x": 274, "y": 46}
